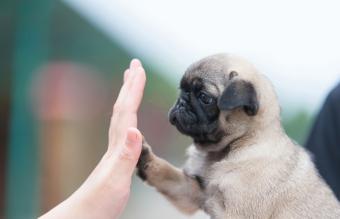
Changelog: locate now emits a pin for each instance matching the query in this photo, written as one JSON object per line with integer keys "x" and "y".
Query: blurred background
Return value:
{"x": 62, "y": 62}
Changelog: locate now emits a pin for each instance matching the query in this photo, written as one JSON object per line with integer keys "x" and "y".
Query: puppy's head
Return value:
{"x": 223, "y": 99}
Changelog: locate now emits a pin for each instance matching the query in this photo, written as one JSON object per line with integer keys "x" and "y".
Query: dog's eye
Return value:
{"x": 205, "y": 99}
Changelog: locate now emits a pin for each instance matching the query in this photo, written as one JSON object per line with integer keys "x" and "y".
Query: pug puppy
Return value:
{"x": 241, "y": 163}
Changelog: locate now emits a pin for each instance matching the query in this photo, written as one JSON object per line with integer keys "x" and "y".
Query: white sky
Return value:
{"x": 296, "y": 43}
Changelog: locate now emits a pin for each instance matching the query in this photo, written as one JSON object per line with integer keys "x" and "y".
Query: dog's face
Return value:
{"x": 196, "y": 112}
{"x": 218, "y": 102}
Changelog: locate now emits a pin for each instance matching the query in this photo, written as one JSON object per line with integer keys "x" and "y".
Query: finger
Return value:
{"x": 136, "y": 90}
{"x": 134, "y": 71}
{"x": 135, "y": 63}
{"x": 129, "y": 153}
{"x": 130, "y": 95}
{"x": 126, "y": 74}
{"x": 126, "y": 106}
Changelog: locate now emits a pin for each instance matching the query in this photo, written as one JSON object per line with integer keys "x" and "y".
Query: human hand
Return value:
{"x": 105, "y": 192}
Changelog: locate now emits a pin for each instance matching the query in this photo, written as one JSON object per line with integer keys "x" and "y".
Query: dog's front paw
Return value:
{"x": 144, "y": 160}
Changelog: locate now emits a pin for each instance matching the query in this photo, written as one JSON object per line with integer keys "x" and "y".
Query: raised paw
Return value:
{"x": 144, "y": 160}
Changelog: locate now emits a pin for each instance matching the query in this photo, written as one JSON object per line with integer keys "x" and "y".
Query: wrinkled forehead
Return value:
{"x": 212, "y": 76}
{"x": 216, "y": 71}
{"x": 209, "y": 82}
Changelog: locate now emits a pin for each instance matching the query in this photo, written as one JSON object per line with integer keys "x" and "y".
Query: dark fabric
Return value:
{"x": 324, "y": 141}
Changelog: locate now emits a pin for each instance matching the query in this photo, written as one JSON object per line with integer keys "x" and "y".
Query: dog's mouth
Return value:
{"x": 188, "y": 124}
{"x": 183, "y": 120}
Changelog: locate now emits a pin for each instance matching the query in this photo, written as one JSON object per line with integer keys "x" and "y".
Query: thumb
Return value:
{"x": 130, "y": 152}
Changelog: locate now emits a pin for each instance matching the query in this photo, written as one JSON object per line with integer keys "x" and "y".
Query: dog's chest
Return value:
{"x": 218, "y": 182}
{"x": 221, "y": 198}
{"x": 213, "y": 201}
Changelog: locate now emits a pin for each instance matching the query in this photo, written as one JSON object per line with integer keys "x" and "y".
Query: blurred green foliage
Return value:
{"x": 297, "y": 125}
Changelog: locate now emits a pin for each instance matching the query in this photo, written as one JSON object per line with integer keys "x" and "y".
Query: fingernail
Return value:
{"x": 136, "y": 73}
{"x": 135, "y": 63}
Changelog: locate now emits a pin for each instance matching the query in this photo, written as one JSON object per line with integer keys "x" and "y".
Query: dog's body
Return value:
{"x": 242, "y": 164}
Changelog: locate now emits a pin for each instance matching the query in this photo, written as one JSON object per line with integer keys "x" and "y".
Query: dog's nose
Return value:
{"x": 173, "y": 119}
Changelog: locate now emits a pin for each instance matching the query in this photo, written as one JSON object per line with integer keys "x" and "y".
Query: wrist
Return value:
{"x": 101, "y": 196}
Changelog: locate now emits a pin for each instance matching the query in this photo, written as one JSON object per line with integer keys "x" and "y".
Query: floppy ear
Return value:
{"x": 239, "y": 94}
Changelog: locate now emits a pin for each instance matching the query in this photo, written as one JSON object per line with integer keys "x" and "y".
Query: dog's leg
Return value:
{"x": 182, "y": 190}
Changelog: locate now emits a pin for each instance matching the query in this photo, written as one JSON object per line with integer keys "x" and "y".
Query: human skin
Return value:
{"x": 105, "y": 192}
